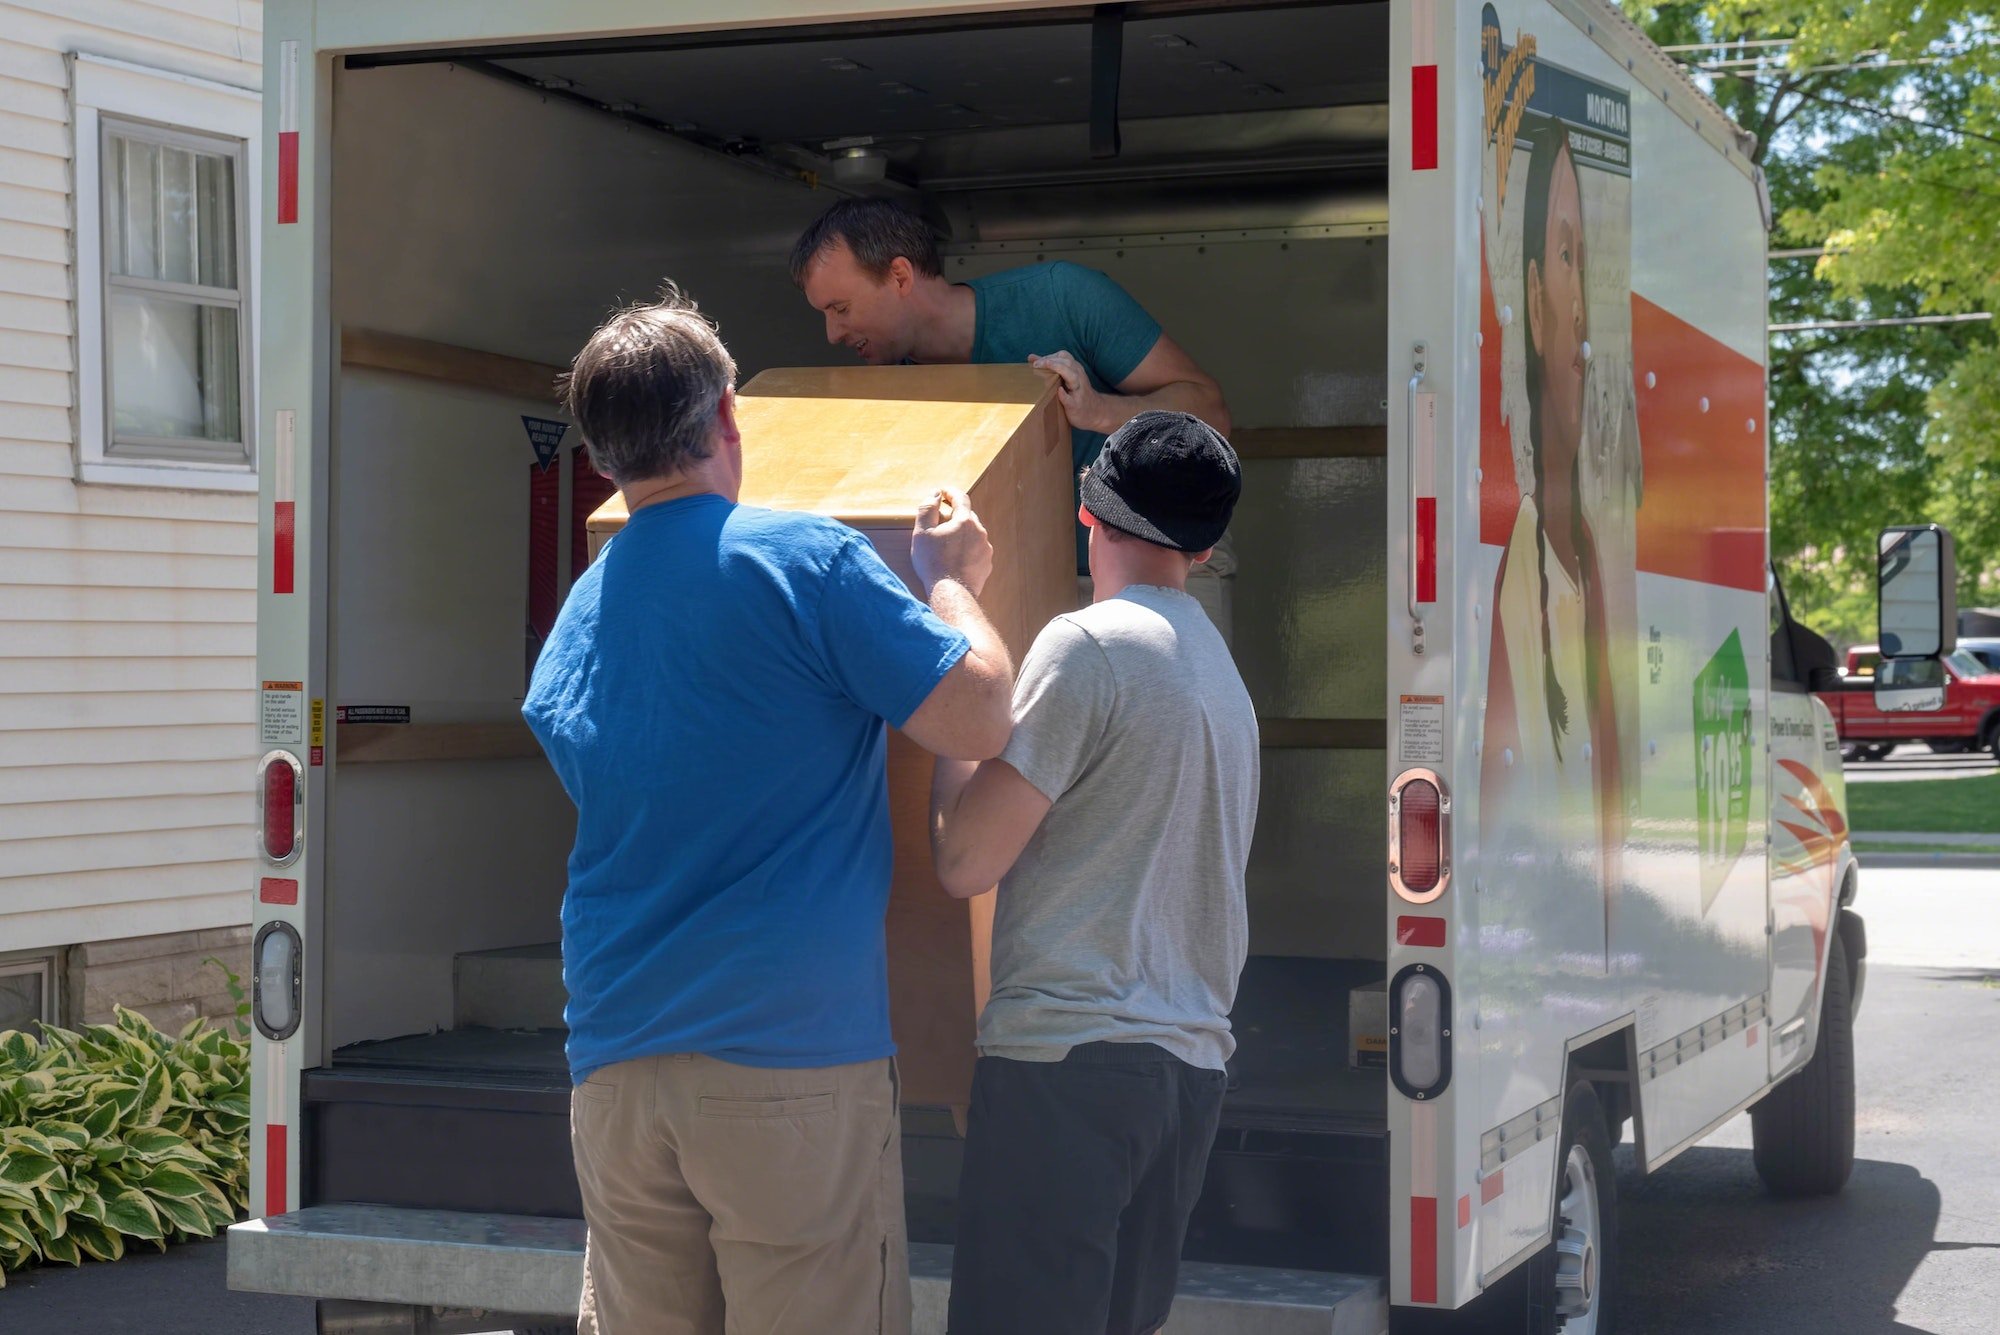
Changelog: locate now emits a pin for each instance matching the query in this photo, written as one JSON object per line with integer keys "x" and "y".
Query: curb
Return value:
{"x": 1918, "y": 861}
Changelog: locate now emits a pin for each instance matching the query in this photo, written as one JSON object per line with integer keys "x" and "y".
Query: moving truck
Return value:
{"x": 1551, "y": 850}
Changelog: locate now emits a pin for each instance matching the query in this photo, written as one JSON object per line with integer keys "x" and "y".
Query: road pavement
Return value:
{"x": 1917, "y": 761}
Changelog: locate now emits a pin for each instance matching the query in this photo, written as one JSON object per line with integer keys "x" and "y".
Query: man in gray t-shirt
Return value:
{"x": 1117, "y": 823}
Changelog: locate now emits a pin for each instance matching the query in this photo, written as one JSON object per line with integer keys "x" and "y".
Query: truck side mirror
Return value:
{"x": 1910, "y": 686}
{"x": 1916, "y": 583}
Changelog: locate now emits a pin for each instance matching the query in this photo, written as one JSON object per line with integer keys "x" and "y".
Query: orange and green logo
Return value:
{"x": 1723, "y": 741}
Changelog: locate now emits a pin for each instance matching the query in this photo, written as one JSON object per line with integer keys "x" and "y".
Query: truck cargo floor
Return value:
{"x": 1290, "y": 1071}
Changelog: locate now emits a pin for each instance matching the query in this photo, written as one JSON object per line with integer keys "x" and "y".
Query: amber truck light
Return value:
{"x": 281, "y": 794}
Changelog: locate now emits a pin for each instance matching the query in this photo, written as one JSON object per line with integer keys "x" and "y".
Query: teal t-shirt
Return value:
{"x": 1063, "y": 307}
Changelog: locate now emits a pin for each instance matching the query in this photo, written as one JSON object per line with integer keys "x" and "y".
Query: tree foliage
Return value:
{"x": 1878, "y": 128}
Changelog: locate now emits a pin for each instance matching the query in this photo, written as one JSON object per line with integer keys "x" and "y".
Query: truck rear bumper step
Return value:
{"x": 512, "y": 1263}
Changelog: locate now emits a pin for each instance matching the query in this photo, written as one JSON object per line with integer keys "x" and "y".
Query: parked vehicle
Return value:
{"x": 1541, "y": 759}
{"x": 1969, "y": 721}
{"x": 1984, "y": 648}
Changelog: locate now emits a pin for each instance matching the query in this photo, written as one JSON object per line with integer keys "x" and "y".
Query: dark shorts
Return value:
{"x": 1079, "y": 1179}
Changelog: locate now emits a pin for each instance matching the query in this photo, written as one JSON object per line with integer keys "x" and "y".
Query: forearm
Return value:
{"x": 970, "y": 714}
{"x": 948, "y": 784}
{"x": 957, "y": 608}
{"x": 1203, "y": 400}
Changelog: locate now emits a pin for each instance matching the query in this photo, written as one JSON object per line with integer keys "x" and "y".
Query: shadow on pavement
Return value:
{"x": 1705, "y": 1249}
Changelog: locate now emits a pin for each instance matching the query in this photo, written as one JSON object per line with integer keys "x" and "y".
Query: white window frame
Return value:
{"x": 124, "y": 92}
{"x": 43, "y": 964}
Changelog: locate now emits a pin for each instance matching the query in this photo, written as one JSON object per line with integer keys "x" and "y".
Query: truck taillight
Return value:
{"x": 1419, "y": 836}
{"x": 281, "y": 793}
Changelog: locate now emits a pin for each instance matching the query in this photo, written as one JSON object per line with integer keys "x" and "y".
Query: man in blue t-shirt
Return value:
{"x": 872, "y": 269}
{"x": 713, "y": 698}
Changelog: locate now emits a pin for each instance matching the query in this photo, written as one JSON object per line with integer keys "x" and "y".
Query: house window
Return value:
{"x": 27, "y": 991}
{"x": 167, "y": 184}
{"x": 177, "y": 371}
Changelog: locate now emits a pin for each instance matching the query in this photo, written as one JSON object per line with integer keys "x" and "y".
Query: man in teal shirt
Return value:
{"x": 871, "y": 268}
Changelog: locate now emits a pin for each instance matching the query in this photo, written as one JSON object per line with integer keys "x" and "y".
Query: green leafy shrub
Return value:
{"x": 116, "y": 1133}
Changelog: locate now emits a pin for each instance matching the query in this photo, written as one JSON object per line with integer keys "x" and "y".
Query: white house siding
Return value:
{"x": 127, "y": 614}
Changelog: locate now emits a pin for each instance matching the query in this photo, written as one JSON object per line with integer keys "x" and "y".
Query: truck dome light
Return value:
{"x": 1419, "y": 836}
{"x": 281, "y": 795}
{"x": 1420, "y": 1032}
{"x": 275, "y": 980}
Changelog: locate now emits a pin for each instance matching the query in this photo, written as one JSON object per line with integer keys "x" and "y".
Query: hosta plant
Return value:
{"x": 116, "y": 1134}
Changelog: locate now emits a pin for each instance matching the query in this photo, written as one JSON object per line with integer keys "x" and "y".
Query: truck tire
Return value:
{"x": 1802, "y": 1132}
{"x": 1574, "y": 1282}
{"x": 1531, "y": 1300}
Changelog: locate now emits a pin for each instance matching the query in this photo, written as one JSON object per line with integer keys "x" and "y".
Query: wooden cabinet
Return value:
{"x": 867, "y": 445}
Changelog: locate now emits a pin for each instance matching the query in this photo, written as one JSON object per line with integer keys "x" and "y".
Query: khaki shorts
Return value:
{"x": 739, "y": 1199}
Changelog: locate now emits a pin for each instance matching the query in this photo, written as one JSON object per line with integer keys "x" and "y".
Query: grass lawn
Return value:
{"x": 1927, "y": 806}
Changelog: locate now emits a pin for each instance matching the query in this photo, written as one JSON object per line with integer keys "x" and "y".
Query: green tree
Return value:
{"x": 1869, "y": 119}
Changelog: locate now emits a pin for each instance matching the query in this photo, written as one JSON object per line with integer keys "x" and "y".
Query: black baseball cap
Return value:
{"x": 1169, "y": 478}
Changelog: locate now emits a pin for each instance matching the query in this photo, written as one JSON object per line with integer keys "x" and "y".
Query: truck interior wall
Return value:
{"x": 511, "y": 224}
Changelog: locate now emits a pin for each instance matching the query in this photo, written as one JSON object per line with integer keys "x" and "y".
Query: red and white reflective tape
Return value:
{"x": 1423, "y": 488}
{"x": 275, "y": 1151}
{"x": 1423, "y": 1203}
{"x": 1423, "y": 86}
{"x": 284, "y": 513}
{"x": 288, "y": 132}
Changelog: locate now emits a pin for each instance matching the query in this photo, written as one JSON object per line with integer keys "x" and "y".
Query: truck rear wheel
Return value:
{"x": 1579, "y": 1276}
{"x": 1802, "y": 1133}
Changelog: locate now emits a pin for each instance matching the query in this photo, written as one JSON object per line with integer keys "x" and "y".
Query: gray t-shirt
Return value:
{"x": 1123, "y": 920}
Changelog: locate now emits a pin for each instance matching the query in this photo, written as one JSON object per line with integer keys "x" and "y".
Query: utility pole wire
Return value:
{"x": 1734, "y": 41}
{"x": 1811, "y": 326}
{"x": 1866, "y": 110}
{"x": 1759, "y": 63}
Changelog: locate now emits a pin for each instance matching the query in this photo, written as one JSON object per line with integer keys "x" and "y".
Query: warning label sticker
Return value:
{"x": 1420, "y": 730}
{"x": 281, "y": 713}
{"x": 371, "y": 713}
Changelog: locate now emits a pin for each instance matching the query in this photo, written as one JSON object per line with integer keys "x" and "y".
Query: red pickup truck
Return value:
{"x": 1970, "y": 719}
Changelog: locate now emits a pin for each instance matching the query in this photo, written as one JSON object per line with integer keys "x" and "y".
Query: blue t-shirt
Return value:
{"x": 712, "y": 697}
{"x": 1063, "y": 307}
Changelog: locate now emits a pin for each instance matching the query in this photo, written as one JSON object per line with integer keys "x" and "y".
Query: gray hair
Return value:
{"x": 876, "y": 231}
{"x": 645, "y": 389}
